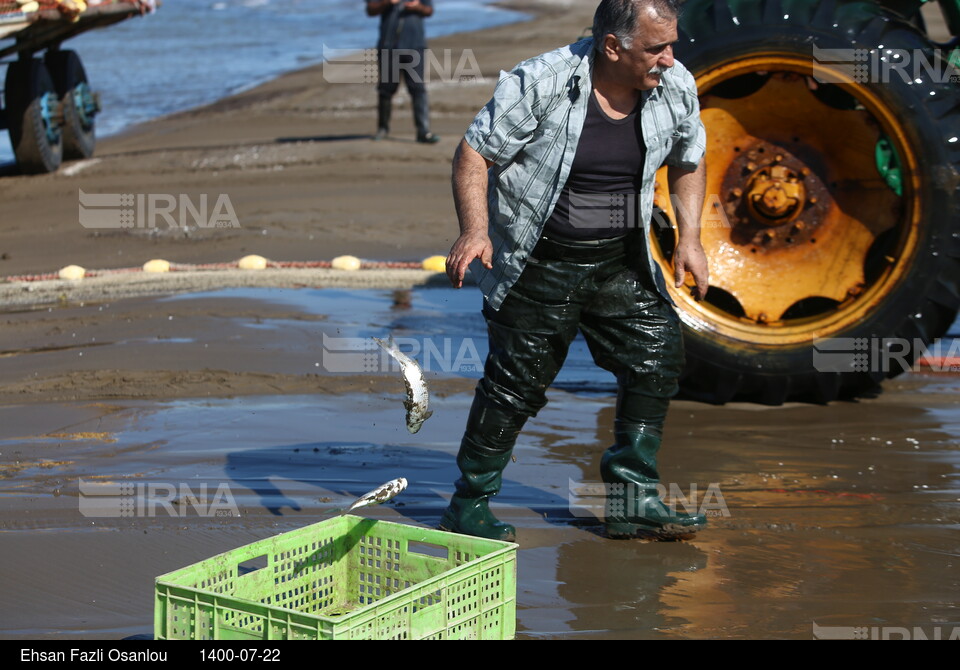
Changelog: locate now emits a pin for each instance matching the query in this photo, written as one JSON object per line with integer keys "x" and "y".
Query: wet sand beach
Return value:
{"x": 294, "y": 157}
{"x": 823, "y": 519}
{"x": 834, "y": 516}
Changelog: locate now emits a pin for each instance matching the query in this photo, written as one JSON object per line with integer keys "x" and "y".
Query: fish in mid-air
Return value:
{"x": 418, "y": 398}
{"x": 381, "y": 494}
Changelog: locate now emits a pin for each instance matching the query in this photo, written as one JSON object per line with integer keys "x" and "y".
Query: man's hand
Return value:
{"x": 468, "y": 247}
{"x": 377, "y": 7}
{"x": 689, "y": 187}
{"x": 470, "y": 198}
{"x": 689, "y": 257}
{"x": 418, "y": 7}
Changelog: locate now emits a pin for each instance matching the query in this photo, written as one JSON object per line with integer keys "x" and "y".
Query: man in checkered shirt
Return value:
{"x": 553, "y": 184}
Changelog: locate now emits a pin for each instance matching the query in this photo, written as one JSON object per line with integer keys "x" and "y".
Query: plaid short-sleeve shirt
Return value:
{"x": 530, "y": 129}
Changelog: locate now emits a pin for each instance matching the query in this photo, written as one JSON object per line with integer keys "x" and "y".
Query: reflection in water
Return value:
{"x": 607, "y": 588}
{"x": 402, "y": 299}
{"x": 631, "y": 585}
{"x": 841, "y": 516}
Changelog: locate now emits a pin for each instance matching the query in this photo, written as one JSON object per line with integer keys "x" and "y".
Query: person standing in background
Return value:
{"x": 401, "y": 50}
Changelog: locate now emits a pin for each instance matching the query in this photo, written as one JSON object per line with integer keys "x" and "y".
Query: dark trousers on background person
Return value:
{"x": 603, "y": 289}
{"x": 406, "y": 65}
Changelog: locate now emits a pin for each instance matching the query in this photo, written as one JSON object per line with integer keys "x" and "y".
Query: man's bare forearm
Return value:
{"x": 470, "y": 190}
{"x": 376, "y": 8}
{"x": 423, "y": 10}
{"x": 690, "y": 189}
{"x": 470, "y": 197}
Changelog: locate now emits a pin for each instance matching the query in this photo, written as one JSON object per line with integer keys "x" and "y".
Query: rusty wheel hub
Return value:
{"x": 772, "y": 199}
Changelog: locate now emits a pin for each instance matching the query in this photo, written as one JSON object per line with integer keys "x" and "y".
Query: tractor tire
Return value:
{"x": 32, "y": 108}
{"x": 832, "y": 220}
{"x": 79, "y": 103}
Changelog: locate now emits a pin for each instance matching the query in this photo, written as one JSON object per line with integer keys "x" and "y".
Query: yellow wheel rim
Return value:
{"x": 803, "y": 236}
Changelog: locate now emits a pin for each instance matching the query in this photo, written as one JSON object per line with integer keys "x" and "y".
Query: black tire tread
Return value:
{"x": 724, "y": 372}
{"x": 25, "y": 82}
{"x": 67, "y": 71}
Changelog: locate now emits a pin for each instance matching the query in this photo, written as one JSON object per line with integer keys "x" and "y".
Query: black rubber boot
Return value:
{"x": 384, "y": 107}
{"x": 633, "y": 505}
{"x": 484, "y": 452}
{"x": 421, "y": 117}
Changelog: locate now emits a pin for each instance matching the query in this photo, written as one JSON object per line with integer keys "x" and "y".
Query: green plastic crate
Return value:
{"x": 345, "y": 578}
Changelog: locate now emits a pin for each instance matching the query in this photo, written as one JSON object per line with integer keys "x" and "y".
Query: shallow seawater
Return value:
{"x": 442, "y": 328}
{"x": 823, "y": 519}
{"x": 194, "y": 52}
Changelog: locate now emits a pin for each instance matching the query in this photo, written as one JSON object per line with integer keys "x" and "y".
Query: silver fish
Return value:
{"x": 418, "y": 398}
{"x": 381, "y": 494}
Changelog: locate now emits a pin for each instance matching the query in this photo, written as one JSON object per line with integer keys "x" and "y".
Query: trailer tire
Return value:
{"x": 33, "y": 117}
{"x": 79, "y": 103}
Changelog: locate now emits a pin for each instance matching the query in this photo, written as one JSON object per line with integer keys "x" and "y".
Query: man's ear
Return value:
{"x": 611, "y": 47}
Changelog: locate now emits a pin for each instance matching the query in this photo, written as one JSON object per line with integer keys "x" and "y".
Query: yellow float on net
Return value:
{"x": 345, "y": 263}
{"x": 252, "y": 262}
{"x": 156, "y": 265}
{"x": 435, "y": 264}
{"x": 72, "y": 272}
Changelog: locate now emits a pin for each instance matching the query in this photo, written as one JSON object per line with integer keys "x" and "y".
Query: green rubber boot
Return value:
{"x": 484, "y": 452}
{"x": 633, "y": 504}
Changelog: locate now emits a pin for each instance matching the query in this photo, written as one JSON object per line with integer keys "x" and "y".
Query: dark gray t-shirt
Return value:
{"x": 402, "y": 29}
{"x": 599, "y": 198}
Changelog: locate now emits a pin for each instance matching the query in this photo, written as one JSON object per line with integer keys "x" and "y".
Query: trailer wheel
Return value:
{"x": 831, "y": 225}
{"x": 33, "y": 117}
{"x": 79, "y": 103}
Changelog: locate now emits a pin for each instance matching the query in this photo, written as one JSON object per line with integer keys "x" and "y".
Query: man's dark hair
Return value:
{"x": 619, "y": 18}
